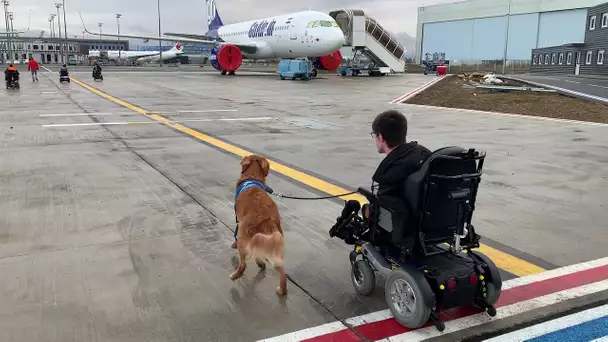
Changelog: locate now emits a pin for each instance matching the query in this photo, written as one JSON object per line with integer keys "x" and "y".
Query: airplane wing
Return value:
{"x": 187, "y": 35}
{"x": 245, "y": 47}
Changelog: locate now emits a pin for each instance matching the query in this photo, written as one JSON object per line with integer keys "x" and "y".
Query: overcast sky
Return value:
{"x": 140, "y": 16}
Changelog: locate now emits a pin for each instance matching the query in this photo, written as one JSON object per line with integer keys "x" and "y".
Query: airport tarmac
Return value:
{"x": 117, "y": 225}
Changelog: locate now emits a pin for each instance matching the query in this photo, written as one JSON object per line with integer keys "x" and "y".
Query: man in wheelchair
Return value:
{"x": 416, "y": 229}
{"x": 389, "y": 130}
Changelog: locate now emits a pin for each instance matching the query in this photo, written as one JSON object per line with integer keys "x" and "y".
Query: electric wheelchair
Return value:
{"x": 422, "y": 243}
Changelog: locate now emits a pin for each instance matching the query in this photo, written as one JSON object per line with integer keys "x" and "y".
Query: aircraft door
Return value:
{"x": 293, "y": 34}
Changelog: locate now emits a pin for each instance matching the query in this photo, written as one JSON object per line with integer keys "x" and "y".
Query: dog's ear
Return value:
{"x": 265, "y": 166}
{"x": 245, "y": 162}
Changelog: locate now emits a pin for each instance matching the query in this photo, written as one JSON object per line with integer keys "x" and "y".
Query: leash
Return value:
{"x": 270, "y": 191}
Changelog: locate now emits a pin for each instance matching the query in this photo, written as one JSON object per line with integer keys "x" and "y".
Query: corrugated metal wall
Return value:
{"x": 561, "y": 27}
{"x": 489, "y": 36}
{"x": 522, "y": 37}
{"x": 484, "y": 38}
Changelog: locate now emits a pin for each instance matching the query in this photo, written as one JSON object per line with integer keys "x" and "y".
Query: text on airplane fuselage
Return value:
{"x": 261, "y": 29}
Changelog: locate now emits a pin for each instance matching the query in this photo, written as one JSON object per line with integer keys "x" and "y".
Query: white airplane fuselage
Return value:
{"x": 139, "y": 55}
{"x": 301, "y": 34}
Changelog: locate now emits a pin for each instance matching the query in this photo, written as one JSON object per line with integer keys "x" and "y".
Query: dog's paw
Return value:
{"x": 234, "y": 275}
{"x": 281, "y": 292}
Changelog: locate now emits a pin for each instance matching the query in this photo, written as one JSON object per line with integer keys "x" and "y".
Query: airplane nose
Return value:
{"x": 336, "y": 38}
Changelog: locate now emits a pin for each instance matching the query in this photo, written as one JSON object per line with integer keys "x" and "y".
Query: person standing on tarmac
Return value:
{"x": 32, "y": 66}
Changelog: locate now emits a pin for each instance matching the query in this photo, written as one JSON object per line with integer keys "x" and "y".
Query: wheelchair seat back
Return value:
{"x": 441, "y": 195}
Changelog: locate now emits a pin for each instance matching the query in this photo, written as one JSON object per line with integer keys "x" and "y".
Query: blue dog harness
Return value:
{"x": 246, "y": 185}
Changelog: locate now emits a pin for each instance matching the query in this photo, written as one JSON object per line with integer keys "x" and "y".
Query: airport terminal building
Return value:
{"x": 482, "y": 31}
{"x": 47, "y": 50}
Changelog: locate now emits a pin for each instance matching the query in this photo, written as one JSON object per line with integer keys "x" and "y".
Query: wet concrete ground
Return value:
{"x": 122, "y": 232}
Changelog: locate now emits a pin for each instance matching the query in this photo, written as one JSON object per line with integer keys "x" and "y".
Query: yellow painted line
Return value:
{"x": 509, "y": 262}
{"x": 503, "y": 260}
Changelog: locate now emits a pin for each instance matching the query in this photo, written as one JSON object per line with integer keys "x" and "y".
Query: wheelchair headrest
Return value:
{"x": 446, "y": 161}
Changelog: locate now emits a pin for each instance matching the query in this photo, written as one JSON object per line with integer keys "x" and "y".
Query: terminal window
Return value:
{"x": 600, "y": 57}
{"x": 592, "y": 23}
{"x": 561, "y": 58}
{"x": 605, "y": 20}
{"x": 588, "y": 57}
{"x": 569, "y": 58}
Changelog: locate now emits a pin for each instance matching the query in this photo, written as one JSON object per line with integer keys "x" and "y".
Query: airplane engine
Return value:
{"x": 330, "y": 62}
{"x": 226, "y": 58}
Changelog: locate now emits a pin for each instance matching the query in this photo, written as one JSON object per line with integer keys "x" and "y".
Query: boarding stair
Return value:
{"x": 364, "y": 34}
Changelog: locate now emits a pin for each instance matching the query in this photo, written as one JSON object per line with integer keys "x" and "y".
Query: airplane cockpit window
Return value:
{"x": 322, "y": 23}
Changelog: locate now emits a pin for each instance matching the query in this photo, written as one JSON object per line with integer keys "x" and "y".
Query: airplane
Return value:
{"x": 308, "y": 34}
{"x": 141, "y": 56}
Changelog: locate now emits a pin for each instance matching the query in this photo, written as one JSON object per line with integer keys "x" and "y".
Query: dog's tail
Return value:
{"x": 268, "y": 248}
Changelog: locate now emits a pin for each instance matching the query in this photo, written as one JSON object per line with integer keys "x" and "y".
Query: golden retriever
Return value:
{"x": 259, "y": 235}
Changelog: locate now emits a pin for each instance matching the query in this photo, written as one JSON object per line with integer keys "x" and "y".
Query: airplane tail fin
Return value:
{"x": 177, "y": 47}
{"x": 214, "y": 21}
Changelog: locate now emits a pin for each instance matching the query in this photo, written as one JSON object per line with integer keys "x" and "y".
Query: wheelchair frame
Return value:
{"x": 483, "y": 293}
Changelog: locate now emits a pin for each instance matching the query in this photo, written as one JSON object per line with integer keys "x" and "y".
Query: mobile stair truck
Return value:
{"x": 295, "y": 68}
{"x": 360, "y": 64}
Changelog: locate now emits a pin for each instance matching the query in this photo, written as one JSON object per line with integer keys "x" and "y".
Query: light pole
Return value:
{"x": 11, "y": 17}
{"x": 65, "y": 33}
{"x": 504, "y": 59}
{"x": 53, "y": 15}
{"x": 8, "y": 36}
{"x": 160, "y": 43}
{"x": 100, "y": 24}
{"x": 58, "y": 5}
{"x": 83, "y": 32}
{"x": 51, "y": 27}
{"x": 118, "y": 15}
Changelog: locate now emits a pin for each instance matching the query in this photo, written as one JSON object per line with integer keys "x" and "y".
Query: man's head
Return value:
{"x": 389, "y": 128}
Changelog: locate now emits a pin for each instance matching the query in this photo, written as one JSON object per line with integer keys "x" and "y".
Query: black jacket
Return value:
{"x": 397, "y": 166}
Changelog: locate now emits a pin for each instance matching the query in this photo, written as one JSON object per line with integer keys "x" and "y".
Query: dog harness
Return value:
{"x": 248, "y": 184}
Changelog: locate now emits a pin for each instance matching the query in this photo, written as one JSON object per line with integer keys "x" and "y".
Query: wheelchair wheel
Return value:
{"x": 493, "y": 286}
{"x": 407, "y": 295}
{"x": 363, "y": 277}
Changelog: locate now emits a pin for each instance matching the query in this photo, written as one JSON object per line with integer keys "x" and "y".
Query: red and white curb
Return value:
{"x": 416, "y": 91}
{"x": 518, "y": 295}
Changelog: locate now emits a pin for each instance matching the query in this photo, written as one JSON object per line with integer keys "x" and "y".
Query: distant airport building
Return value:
{"x": 48, "y": 50}
{"x": 574, "y": 58}
{"x": 493, "y": 31}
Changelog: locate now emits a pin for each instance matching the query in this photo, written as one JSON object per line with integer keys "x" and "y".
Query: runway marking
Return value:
{"x": 572, "y": 81}
{"x": 533, "y": 117}
{"x": 153, "y": 122}
{"x": 72, "y": 114}
{"x": 559, "y": 325}
{"x": 97, "y": 124}
{"x": 417, "y": 90}
{"x": 598, "y": 86}
{"x": 206, "y": 111}
{"x": 518, "y": 295}
{"x": 517, "y": 266}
